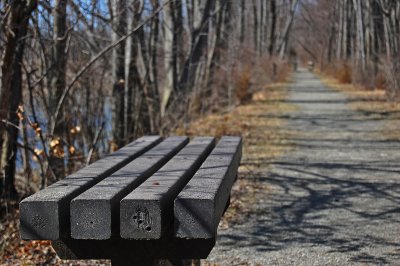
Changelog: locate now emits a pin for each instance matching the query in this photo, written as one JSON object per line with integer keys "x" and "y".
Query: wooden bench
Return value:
{"x": 152, "y": 199}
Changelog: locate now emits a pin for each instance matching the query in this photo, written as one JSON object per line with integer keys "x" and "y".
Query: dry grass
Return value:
{"x": 372, "y": 103}
{"x": 364, "y": 100}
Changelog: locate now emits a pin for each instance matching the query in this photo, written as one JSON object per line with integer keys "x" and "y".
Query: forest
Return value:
{"x": 81, "y": 78}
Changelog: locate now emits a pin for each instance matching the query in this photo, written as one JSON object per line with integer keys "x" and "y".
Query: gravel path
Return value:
{"x": 333, "y": 200}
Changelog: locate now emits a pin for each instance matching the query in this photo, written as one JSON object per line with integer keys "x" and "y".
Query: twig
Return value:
{"x": 34, "y": 154}
{"x": 96, "y": 139}
{"x": 30, "y": 88}
{"x": 8, "y": 123}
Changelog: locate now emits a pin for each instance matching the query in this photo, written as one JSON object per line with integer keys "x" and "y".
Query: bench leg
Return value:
{"x": 122, "y": 262}
{"x": 184, "y": 262}
{"x": 125, "y": 262}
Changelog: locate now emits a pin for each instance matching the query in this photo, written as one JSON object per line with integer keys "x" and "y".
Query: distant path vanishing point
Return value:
{"x": 333, "y": 200}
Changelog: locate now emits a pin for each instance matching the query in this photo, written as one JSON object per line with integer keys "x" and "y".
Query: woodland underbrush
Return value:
{"x": 235, "y": 84}
{"x": 383, "y": 77}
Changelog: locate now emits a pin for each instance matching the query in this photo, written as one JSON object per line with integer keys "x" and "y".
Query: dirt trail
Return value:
{"x": 333, "y": 199}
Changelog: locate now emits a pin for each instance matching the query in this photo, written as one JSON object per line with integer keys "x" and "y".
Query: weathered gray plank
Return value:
{"x": 95, "y": 213}
{"x": 200, "y": 205}
{"x": 45, "y": 215}
{"x": 147, "y": 211}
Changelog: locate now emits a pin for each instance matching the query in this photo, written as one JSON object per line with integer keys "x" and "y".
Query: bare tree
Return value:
{"x": 16, "y": 28}
{"x": 118, "y": 16}
{"x": 283, "y": 43}
{"x": 56, "y": 81}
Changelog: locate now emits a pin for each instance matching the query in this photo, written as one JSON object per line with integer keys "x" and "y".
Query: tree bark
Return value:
{"x": 118, "y": 72}
{"x": 242, "y": 20}
{"x": 360, "y": 34}
{"x": 222, "y": 30}
{"x": 57, "y": 84}
{"x": 169, "y": 60}
{"x": 285, "y": 36}
{"x": 272, "y": 27}
{"x": 345, "y": 43}
{"x": 339, "y": 40}
{"x": 255, "y": 24}
{"x": 134, "y": 80}
{"x": 198, "y": 45}
{"x": 17, "y": 22}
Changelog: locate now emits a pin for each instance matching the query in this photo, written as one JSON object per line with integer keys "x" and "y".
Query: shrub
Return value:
{"x": 344, "y": 74}
{"x": 284, "y": 70}
{"x": 392, "y": 78}
{"x": 243, "y": 93}
{"x": 380, "y": 81}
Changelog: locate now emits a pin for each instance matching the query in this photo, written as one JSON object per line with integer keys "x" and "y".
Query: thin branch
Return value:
{"x": 34, "y": 154}
{"x": 96, "y": 139}
{"x": 8, "y": 123}
{"x": 43, "y": 142}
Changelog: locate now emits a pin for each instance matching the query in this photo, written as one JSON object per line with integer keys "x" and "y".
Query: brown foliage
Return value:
{"x": 344, "y": 74}
{"x": 14, "y": 251}
{"x": 252, "y": 77}
{"x": 243, "y": 83}
{"x": 282, "y": 72}
{"x": 380, "y": 82}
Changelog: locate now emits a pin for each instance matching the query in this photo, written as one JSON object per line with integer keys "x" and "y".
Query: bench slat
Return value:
{"x": 95, "y": 213}
{"x": 147, "y": 212}
{"x": 200, "y": 205}
{"x": 45, "y": 215}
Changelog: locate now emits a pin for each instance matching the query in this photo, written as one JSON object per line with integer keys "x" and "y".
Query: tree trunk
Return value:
{"x": 118, "y": 71}
{"x": 255, "y": 24}
{"x": 339, "y": 40}
{"x": 242, "y": 20}
{"x": 198, "y": 45}
{"x": 367, "y": 20}
{"x": 260, "y": 36}
{"x": 17, "y": 23}
{"x": 222, "y": 30}
{"x": 345, "y": 43}
{"x": 360, "y": 34}
{"x": 272, "y": 27}
{"x": 331, "y": 35}
{"x": 285, "y": 36}
{"x": 169, "y": 60}
{"x": 153, "y": 73}
{"x": 134, "y": 81}
{"x": 57, "y": 85}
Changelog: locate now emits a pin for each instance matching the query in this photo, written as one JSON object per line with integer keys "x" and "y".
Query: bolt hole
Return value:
{"x": 140, "y": 221}
{"x": 91, "y": 222}
{"x": 148, "y": 228}
{"x": 134, "y": 217}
